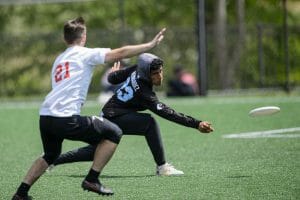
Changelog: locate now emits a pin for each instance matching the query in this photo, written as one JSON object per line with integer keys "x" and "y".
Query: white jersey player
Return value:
{"x": 60, "y": 112}
{"x": 71, "y": 76}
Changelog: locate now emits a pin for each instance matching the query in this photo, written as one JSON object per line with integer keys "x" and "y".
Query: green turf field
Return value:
{"x": 215, "y": 167}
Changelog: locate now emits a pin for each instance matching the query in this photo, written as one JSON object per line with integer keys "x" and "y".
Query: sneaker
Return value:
{"x": 168, "y": 170}
{"x": 96, "y": 187}
{"x": 17, "y": 197}
{"x": 50, "y": 168}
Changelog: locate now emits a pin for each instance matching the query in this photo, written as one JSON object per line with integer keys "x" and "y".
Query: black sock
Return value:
{"x": 92, "y": 176}
{"x": 23, "y": 189}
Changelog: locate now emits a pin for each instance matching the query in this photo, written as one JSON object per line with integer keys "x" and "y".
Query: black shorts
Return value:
{"x": 54, "y": 130}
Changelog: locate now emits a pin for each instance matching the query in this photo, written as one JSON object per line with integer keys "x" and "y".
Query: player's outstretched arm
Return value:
{"x": 132, "y": 50}
{"x": 205, "y": 127}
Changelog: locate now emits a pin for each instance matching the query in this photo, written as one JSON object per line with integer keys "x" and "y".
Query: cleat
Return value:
{"x": 168, "y": 170}
{"x": 17, "y": 197}
{"x": 50, "y": 168}
{"x": 96, "y": 187}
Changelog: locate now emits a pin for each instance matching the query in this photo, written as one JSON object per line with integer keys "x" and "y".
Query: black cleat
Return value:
{"x": 96, "y": 187}
{"x": 17, "y": 197}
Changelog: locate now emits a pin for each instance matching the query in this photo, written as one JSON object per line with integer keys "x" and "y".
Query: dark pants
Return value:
{"x": 87, "y": 129}
{"x": 131, "y": 124}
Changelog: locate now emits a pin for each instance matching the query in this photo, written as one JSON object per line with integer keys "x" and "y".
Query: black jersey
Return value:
{"x": 136, "y": 94}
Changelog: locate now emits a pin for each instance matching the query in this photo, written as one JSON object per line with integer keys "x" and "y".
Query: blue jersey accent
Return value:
{"x": 125, "y": 93}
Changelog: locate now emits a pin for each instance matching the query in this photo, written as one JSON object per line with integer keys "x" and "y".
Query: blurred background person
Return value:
{"x": 183, "y": 83}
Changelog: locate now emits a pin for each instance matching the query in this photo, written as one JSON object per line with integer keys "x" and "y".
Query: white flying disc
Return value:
{"x": 266, "y": 110}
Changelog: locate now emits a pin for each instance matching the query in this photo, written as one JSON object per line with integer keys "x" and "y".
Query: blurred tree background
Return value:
{"x": 244, "y": 39}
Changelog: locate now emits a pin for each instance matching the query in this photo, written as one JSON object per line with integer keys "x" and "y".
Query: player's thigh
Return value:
{"x": 51, "y": 143}
{"x": 134, "y": 123}
{"x": 78, "y": 128}
{"x": 92, "y": 130}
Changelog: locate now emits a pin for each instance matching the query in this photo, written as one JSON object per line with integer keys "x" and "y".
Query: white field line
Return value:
{"x": 267, "y": 134}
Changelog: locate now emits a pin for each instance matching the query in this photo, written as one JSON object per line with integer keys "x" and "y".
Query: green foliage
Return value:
{"x": 31, "y": 37}
{"x": 156, "y": 13}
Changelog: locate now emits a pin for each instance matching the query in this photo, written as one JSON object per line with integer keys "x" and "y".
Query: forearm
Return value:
{"x": 180, "y": 118}
{"x": 169, "y": 114}
{"x": 132, "y": 50}
{"x": 150, "y": 101}
{"x": 127, "y": 51}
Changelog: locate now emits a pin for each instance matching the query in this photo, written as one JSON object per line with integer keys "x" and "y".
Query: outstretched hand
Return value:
{"x": 205, "y": 127}
{"x": 158, "y": 38}
{"x": 116, "y": 67}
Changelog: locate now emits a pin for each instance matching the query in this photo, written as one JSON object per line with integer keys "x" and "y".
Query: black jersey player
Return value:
{"x": 136, "y": 94}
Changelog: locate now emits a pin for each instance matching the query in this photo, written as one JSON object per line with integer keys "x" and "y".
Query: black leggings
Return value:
{"x": 131, "y": 124}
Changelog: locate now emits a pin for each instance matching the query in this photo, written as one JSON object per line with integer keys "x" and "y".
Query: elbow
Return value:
{"x": 115, "y": 55}
{"x": 122, "y": 53}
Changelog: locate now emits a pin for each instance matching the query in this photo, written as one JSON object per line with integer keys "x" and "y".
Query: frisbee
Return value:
{"x": 262, "y": 111}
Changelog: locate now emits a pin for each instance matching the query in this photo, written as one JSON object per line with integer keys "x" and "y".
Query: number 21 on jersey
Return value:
{"x": 60, "y": 70}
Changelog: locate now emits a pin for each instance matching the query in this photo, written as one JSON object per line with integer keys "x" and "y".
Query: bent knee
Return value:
{"x": 107, "y": 129}
{"x": 152, "y": 121}
{"x": 113, "y": 133}
{"x": 50, "y": 157}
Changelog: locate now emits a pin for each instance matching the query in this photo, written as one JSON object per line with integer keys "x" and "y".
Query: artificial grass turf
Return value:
{"x": 215, "y": 167}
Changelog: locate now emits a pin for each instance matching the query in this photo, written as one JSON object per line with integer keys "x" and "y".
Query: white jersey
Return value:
{"x": 71, "y": 76}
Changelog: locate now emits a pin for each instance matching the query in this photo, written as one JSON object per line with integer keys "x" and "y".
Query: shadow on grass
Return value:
{"x": 239, "y": 176}
{"x": 104, "y": 176}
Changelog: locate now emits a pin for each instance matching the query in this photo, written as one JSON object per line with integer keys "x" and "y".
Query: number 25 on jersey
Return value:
{"x": 60, "y": 70}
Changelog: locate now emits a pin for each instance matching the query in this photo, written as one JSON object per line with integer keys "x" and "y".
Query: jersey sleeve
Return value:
{"x": 121, "y": 75}
{"x": 151, "y": 102}
{"x": 95, "y": 56}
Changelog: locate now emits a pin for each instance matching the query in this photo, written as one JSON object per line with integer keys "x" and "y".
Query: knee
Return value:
{"x": 113, "y": 133}
{"x": 107, "y": 129}
{"x": 152, "y": 122}
{"x": 50, "y": 157}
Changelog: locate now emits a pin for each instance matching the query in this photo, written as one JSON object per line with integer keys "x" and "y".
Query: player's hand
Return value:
{"x": 205, "y": 127}
{"x": 116, "y": 66}
{"x": 158, "y": 38}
